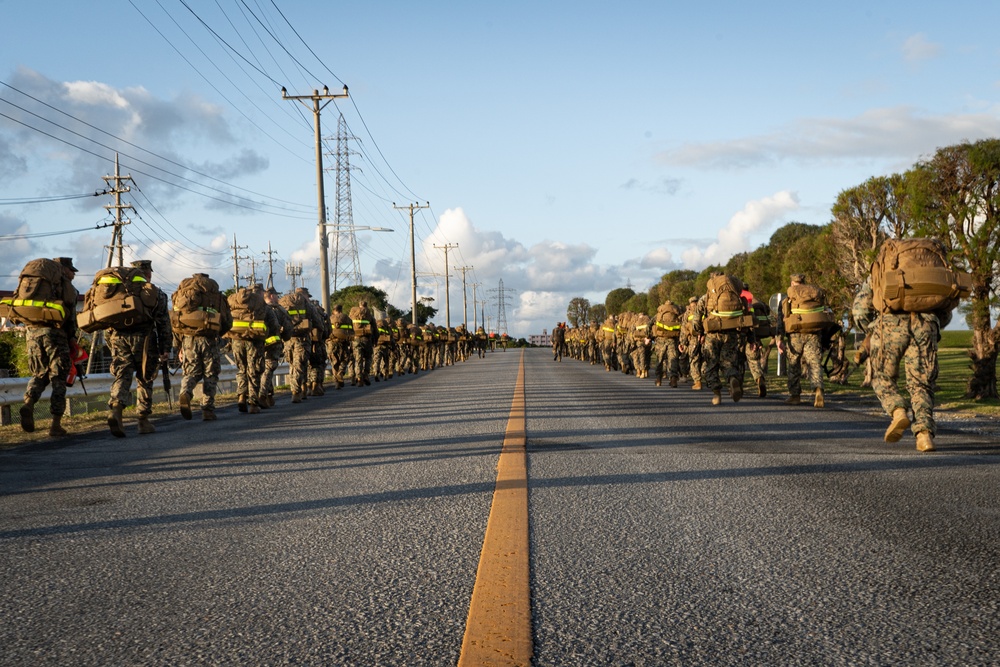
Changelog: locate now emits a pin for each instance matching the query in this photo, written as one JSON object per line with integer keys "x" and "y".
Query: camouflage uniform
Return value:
{"x": 911, "y": 338}
{"x": 362, "y": 345}
{"x": 691, "y": 340}
{"x": 558, "y": 341}
{"x": 608, "y": 334}
{"x": 201, "y": 360}
{"x": 339, "y": 349}
{"x": 665, "y": 343}
{"x": 723, "y": 352}
{"x": 803, "y": 348}
{"x": 274, "y": 348}
{"x": 249, "y": 355}
{"x": 641, "y": 344}
{"x": 318, "y": 334}
{"x": 49, "y": 357}
{"x": 298, "y": 349}
{"x": 136, "y": 351}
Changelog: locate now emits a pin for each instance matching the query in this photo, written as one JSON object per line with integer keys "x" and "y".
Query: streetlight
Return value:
{"x": 353, "y": 228}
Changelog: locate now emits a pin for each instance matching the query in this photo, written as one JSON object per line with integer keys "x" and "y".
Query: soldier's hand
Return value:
{"x": 180, "y": 355}
{"x": 682, "y": 348}
{"x": 165, "y": 356}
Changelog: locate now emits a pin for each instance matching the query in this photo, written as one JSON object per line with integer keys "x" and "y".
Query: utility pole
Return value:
{"x": 447, "y": 288}
{"x": 346, "y": 263}
{"x": 316, "y": 97}
{"x": 236, "y": 261}
{"x": 475, "y": 310}
{"x": 465, "y": 304}
{"x": 413, "y": 258}
{"x": 120, "y": 221}
{"x": 116, "y": 236}
{"x": 293, "y": 271}
{"x": 270, "y": 266}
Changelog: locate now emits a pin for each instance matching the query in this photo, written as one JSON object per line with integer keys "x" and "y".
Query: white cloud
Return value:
{"x": 917, "y": 48}
{"x": 735, "y": 236}
{"x": 897, "y": 133}
{"x": 658, "y": 258}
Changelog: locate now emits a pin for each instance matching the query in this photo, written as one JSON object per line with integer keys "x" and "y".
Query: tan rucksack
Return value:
{"x": 361, "y": 317}
{"x": 805, "y": 311}
{"x": 197, "y": 306}
{"x": 249, "y": 314}
{"x": 726, "y": 310}
{"x": 120, "y": 298}
{"x": 39, "y": 298}
{"x": 763, "y": 325}
{"x": 297, "y": 306}
{"x": 668, "y": 321}
{"x": 915, "y": 276}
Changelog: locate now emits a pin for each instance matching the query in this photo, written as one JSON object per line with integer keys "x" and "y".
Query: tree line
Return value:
{"x": 954, "y": 196}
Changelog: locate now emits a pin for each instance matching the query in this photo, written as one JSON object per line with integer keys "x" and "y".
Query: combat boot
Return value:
{"x": 818, "y": 401}
{"x": 696, "y": 386}
{"x": 761, "y": 387}
{"x": 900, "y": 422}
{"x": 925, "y": 441}
{"x": 208, "y": 415}
{"x": 254, "y": 409}
{"x": 673, "y": 382}
{"x": 56, "y": 428}
{"x": 184, "y": 400}
{"x": 115, "y": 421}
{"x": 735, "y": 389}
{"x": 241, "y": 403}
{"x": 27, "y": 413}
{"x": 296, "y": 397}
{"x": 793, "y": 400}
{"x": 145, "y": 427}
{"x": 716, "y": 397}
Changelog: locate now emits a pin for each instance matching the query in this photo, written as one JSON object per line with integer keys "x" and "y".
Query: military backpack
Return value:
{"x": 726, "y": 310}
{"x": 120, "y": 298}
{"x": 805, "y": 311}
{"x": 249, "y": 314}
{"x": 297, "y": 306}
{"x": 39, "y": 298}
{"x": 915, "y": 276}
{"x": 197, "y": 307}
{"x": 668, "y": 321}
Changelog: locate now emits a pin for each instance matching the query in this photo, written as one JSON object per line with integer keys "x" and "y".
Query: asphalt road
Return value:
{"x": 347, "y": 530}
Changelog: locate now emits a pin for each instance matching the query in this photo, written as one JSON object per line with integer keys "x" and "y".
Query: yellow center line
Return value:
{"x": 498, "y": 630}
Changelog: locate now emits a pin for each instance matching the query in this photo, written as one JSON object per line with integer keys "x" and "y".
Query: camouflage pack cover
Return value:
{"x": 40, "y": 295}
{"x": 669, "y": 319}
{"x": 197, "y": 306}
{"x": 249, "y": 312}
{"x": 915, "y": 276}
{"x": 119, "y": 298}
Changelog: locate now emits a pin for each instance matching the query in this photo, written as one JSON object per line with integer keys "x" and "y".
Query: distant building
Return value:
{"x": 543, "y": 340}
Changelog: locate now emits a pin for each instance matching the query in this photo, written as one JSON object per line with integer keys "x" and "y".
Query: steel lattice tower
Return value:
{"x": 501, "y": 307}
{"x": 346, "y": 265}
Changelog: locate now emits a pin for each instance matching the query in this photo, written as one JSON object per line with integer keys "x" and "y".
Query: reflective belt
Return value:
{"x": 607, "y": 329}
{"x": 361, "y": 321}
{"x": 115, "y": 280}
{"x": 296, "y": 313}
{"x": 37, "y": 304}
{"x": 805, "y": 311}
{"x": 727, "y": 313}
{"x": 243, "y": 324}
{"x": 345, "y": 326}
{"x": 271, "y": 340}
{"x": 668, "y": 327}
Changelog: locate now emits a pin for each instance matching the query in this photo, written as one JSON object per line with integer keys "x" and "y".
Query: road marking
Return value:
{"x": 498, "y": 630}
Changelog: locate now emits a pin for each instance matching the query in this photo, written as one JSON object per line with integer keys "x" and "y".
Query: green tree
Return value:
{"x": 597, "y": 313}
{"x": 14, "y": 354}
{"x": 352, "y": 295}
{"x": 956, "y": 198}
{"x": 578, "y": 311}
{"x": 638, "y": 303}
{"x": 616, "y": 298}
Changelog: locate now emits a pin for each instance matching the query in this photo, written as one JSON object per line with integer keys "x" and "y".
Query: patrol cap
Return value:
{"x": 303, "y": 290}
{"x": 143, "y": 264}
{"x": 271, "y": 290}
{"x": 259, "y": 287}
{"x": 693, "y": 299}
{"x": 798, "y": 277}
{"x": 67, "y": 262}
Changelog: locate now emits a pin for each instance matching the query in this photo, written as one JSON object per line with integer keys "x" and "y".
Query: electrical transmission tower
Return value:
{"x": 120, "y": 221}
{"x": 502, "y": 302}
{"x": 346, "y": 265}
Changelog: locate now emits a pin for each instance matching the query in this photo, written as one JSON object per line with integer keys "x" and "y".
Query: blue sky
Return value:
{"x": 567, "y": 148}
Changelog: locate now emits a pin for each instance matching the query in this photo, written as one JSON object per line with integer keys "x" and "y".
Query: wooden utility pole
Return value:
{"x": 447, "y": 289}
{"x": 465, "y": 303}
{"x": 324, "y": 262}
{"x": 413, "y": 259}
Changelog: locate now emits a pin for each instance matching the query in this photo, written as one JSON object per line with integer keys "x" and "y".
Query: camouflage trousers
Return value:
{"x": 249, "y": 356}
{"x": 723, "y": 353}
{"x": 362, "y": 347}
{"x": 339, "y": 352}
{"x": 640, "y": 356}
{"x": 380, "y": 361}
{"x": 273, "y": 355}
{"x": 132, "y": 355}
{"x": 608, "y": 355}
{"x": 201, "y": 362}
{"x": 48, "y": 361}
{"x": 668, "y": 358}
{"x": 913, "y": 340}
{"x": 297, "y": 353}
{"x": 755, "y": 361}
{"x": 317, "y": 362}
{"x": 804, "y": 348}
{"x": 693, "y": 352}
